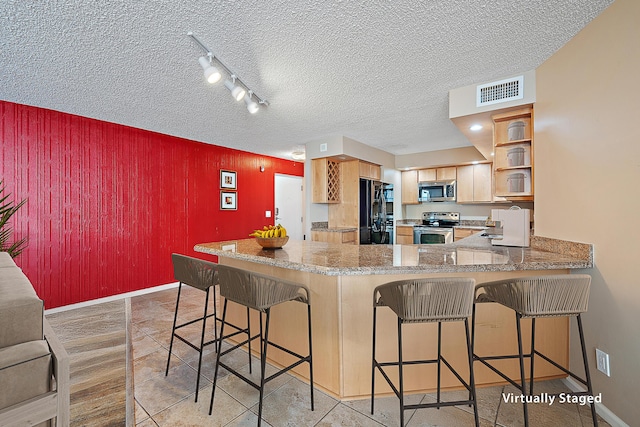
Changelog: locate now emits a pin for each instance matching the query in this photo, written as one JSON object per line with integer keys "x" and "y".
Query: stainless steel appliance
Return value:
{"x": 376, "y": 212}
{"x": 437, "y": 227}
{"x": 437, "y": 191}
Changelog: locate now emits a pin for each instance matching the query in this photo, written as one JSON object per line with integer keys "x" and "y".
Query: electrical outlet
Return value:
{"x": 323, "y": 147}
{"x": 602, "y": 361}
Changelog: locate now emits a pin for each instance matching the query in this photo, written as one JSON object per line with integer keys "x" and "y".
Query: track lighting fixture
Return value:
{"x": 239, "y": 90}
{"x": 211, "y": 73}
{"x": 252, "y": 106}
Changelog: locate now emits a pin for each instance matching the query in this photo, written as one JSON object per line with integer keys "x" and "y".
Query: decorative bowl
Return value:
{"x": 272, "y": 242}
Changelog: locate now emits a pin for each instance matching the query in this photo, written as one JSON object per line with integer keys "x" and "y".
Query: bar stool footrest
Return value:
{"x": 380, "y": 365}
{"x": 439, "y": 404}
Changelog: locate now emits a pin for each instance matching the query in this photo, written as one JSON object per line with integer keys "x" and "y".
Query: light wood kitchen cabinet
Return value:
{"x": 346, "y": 237}
{"x": 346, "y": 213}
{"x": 474, "y": 183}
{"x": 437, "y": 174}
{"x": 404, "y": 234}
{"x": 409, "y": 194}
{"x": 513, "y": 154}
{"x": 460, "y": 233}
{"x": 370, "y": 171}
{"x": 325, "y": 181}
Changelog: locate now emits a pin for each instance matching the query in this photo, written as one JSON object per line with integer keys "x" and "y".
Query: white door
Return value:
{"x": 289, "y": 204}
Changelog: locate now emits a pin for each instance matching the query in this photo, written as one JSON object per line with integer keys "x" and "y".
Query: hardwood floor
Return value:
{"x": 96, "y": 339}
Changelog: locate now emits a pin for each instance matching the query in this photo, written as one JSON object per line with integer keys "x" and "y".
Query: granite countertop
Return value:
{"x": 335, "y": 230}
{"x": 324, "y": 226}
{"x": 473, "y": 254}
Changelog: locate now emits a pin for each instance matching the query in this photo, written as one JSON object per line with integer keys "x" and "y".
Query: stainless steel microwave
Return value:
{"x": 437, "y": 191}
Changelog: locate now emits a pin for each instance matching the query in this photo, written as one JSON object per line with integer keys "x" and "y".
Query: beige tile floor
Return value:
{"x": 169, "y": 400}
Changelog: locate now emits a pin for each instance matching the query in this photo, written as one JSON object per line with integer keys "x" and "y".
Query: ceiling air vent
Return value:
{"x": 500, "y": 91}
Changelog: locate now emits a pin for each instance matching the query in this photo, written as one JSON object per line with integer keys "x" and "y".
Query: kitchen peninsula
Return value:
{"x": 342, "y": 278}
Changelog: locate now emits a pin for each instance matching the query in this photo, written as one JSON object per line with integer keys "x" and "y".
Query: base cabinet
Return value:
{"x": 404, "y": 234}
{"x": 460, "y": 233}
{"x": 348, "y": 237}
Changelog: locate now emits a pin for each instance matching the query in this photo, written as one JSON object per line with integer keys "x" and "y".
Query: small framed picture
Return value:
{"x": 228, "y": 180}
{"x": 228, "y": 200}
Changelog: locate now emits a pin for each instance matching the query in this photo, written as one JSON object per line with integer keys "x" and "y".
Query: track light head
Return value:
{"x": 252, "y": 106}
{"x": 237, "y": 92}
{"x": 211, "y": 73}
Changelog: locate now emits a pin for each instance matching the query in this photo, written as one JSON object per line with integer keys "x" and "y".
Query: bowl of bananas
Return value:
{"x": 271, "y": 237}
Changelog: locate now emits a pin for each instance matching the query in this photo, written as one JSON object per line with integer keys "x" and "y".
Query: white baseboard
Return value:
{"x": 601, "y": 410}
{"x": 111, "y": 298}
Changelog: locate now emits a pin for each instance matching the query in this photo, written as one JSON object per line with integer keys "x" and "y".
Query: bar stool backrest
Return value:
{"x": 194, "y": 272}
{"x": 428, "y": 300}
{"x": 258, "y": 291}
{"x": 540, "y": 296}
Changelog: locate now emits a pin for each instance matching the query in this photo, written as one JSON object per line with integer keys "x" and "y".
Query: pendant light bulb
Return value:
{"x": 252, "y": 106}
{"x": 211, "y": 73}
{"x": 236, "y": 91}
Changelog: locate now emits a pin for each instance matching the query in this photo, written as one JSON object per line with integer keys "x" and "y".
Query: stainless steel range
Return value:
{"x": 437, "y": 227}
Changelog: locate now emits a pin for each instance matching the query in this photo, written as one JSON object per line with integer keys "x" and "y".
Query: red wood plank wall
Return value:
{"x": 108, "y": 204}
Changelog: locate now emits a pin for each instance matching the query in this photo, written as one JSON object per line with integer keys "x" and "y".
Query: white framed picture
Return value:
{"x": 228, "y": 200}
{"x": 228, "y": 180}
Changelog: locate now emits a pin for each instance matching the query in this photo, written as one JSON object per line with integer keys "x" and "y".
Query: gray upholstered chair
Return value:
{"x": 447, "y": 299}
{"x": 31, "y": 356}
{"x": 533, "y": 297}
{"x": 260, "y": 292}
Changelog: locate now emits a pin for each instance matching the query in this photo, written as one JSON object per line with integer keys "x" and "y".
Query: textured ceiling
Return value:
{"x": 376, "y": 71}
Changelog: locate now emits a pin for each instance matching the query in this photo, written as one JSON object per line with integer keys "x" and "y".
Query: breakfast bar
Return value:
{"x": 342, "y": 278}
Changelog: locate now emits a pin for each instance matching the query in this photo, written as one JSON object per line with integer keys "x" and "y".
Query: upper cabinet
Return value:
{"x": 513, "y": 154}
{"x": 325, "y": 181}
{"x": 473, "y": 183}
{"x": 410, "y": 180}
{"x": 410, "y": 187}
{"x": 370, "y": 171}
{"x": 437, "y": 174}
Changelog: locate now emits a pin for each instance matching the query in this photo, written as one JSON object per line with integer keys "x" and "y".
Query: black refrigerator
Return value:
{"x": 374, "y": 213}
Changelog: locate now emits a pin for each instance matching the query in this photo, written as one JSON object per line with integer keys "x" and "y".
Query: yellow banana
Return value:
{"x": 269, "y": 231}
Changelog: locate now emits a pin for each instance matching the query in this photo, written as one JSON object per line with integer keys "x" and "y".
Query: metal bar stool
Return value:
{"x": 421, "y": 301}
{"x": 532, "y": 297}
{"x": 199, "y": 274}
{"x": 260, "y": 292}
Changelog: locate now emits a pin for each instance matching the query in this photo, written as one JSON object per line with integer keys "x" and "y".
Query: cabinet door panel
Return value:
{"x": 427, "y": 175}
{"x": 446, "y": 173}
{"x": 409, "y": 188}
{"x": 482, "y": 183}
{"x": 464, "y": 184}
